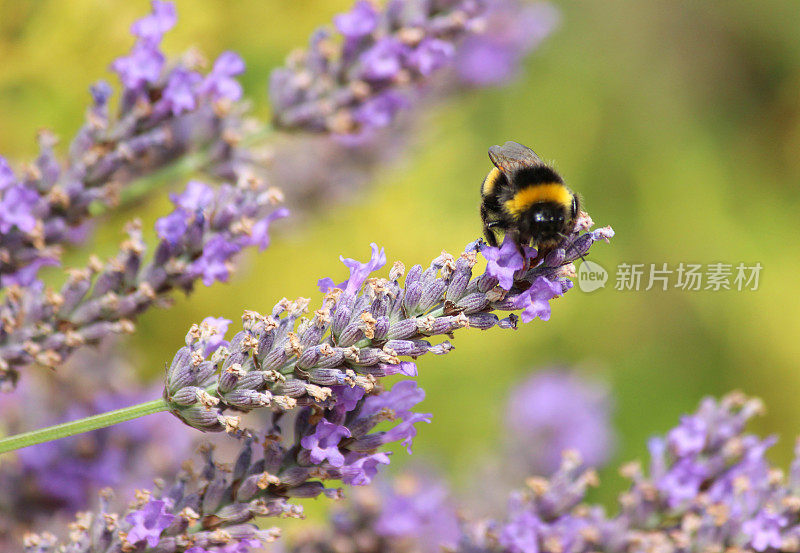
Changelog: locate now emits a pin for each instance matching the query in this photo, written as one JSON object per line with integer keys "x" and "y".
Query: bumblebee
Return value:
{"x": 525, "y": 198}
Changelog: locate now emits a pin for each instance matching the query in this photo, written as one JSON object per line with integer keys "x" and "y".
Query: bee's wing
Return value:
{"x": 512, "y": 156}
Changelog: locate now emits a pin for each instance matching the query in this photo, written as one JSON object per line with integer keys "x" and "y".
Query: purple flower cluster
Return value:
{"x": 166, "y": 112}
{"x": 355, "y": 80}
{"x": 554, "y": 411}
{"x": 205, "y": 510}
{"x": 709, "y": 487}
{"x": 198, "y": 241}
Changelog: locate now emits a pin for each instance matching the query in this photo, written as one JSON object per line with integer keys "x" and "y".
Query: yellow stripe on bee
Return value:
{"x": 490, "y": 181}
{"x": 537, "y": 193}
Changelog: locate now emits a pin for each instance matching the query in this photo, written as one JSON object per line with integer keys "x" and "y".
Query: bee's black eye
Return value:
{"x": 574, "y": 206}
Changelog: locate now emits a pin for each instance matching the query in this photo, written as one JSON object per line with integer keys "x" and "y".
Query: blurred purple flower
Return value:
{"x": 359, "y": 22}
{"x": 430, "y": 55}
{"x": 419, "y": 508}
{"x": 196, "y": 195}
{"x": 383, "y": 60}
{"x": 220, "y": 84}
{"x": 554, "y": 411}
{"x": 513, "y": 29}
{"x": 152, "y": 27}
{"x": 16, "y": 208}
{"x": 139, "y": 68}
{"x": 214, "y": 263}
{"x": 27, "y": 275}
{"x": 260, "y": 233}
{"x": 180, "y": 94}
{"x": 173, "y": 227}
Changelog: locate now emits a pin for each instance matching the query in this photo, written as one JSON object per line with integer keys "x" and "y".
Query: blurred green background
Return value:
{"x": 678, "y": 122}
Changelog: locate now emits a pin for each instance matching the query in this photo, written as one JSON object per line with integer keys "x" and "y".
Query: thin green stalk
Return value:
{"x": 82, "y": 425}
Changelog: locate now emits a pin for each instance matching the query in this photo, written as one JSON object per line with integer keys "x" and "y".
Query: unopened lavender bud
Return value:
{"x": 186, "y": 396}
{"x": 473, "y": 303}
{"x": 294, "y": 476}
{"x": 229, "y": 378}
{"x": 201, "y": 417}
{"x": 431, "y": 294}
{"x": 247, "y": 399}
{"x": 236, "y": 513}
{"x": 326, "y": 377}
{"x": 509, "y": 322}
{"x": 483, "y": 321}
{"x": 381, "y": 329}
{"x": 306, "y": 490}
{"x": 351, "y": 334}
{"x": 401, "y": 330}
{"x": 441, "y": 349}
{"x": 410, "y": 348}
{"x": 292, "y": 388}
{"x": 248, "y": 488}
{"x": 331, "y": 357}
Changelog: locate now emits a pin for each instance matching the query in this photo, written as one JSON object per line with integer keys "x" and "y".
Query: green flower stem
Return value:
{"x": 82, "y": 425}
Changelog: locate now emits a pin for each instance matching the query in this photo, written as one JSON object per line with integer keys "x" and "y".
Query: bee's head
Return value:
{"x": 548, "y": 223}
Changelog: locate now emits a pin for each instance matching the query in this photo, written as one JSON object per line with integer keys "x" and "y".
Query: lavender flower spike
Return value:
{"x": 166, "y": 111}
{"x": 199, "y": 241}
{"x": 357, "y": 79}
{"x": 373, "y": 327}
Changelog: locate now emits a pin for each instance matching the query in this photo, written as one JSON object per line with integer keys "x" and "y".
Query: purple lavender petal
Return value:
{"x": 383, "y": 60}
{"x": 197, "y": 195}
{"x": 430, "y": 55}
{"x": 535, "y": 300}
{"x": 379, "y": 111}
{"x": 260, "y": 234}
{"x": 213, "y": 338}
{"x": 179, "y": 94}
{"x": 149, "y": 522}
{"x": 220, "y": 84}
{"x": 324, "y": 443}
{"x": 152, "y": 27}
{"x": 141, "y": 67}
{"x": 172, "y": 227}
{"x": 213, "y": 264}
{"x": 27, "y": 275}
{"x": 359, "y": 22}
{"x": 361, "y": 471}
{"x": 16, "y": 208}
{"x": 503, "y": 262}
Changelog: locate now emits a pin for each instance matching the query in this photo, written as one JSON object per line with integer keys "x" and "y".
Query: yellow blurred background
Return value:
{"x": 677, "y": 121}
